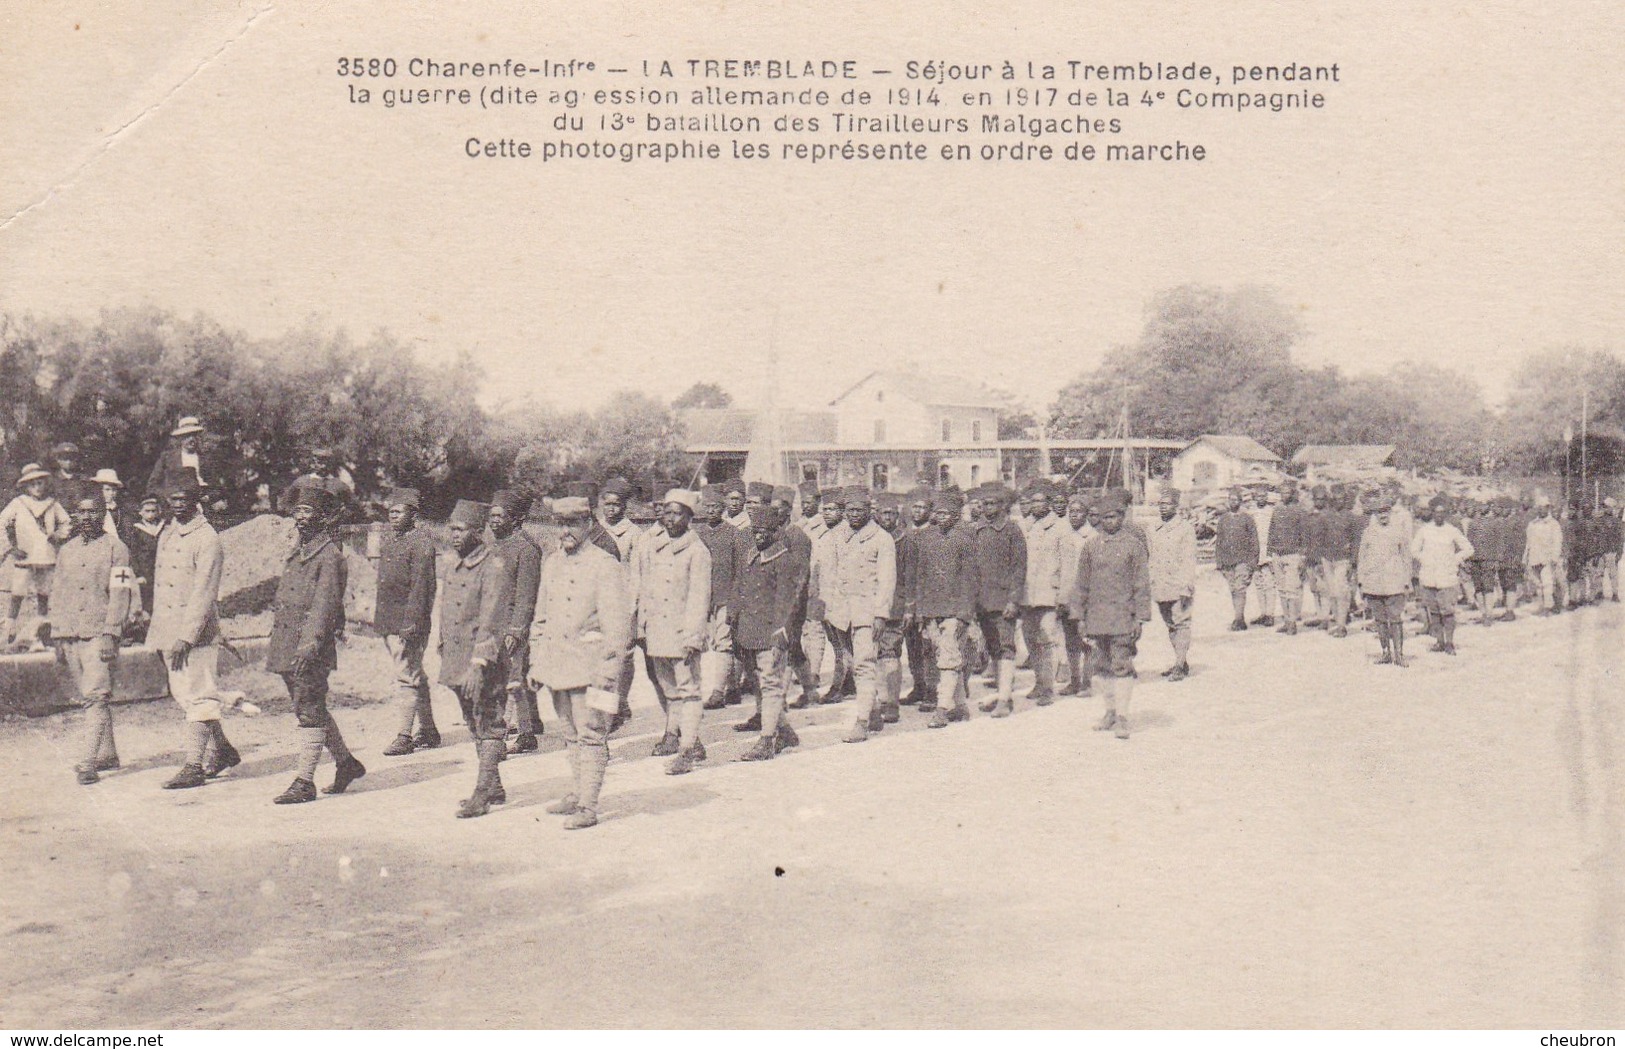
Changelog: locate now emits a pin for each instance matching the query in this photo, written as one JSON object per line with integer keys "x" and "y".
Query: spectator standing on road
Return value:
{"x": 405, "y": 604}
{"x": 95, "y": 594}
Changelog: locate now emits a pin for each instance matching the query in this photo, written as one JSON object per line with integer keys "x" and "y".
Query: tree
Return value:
{"x": 703, "y": 395}
{"x": 1546, "y": 398}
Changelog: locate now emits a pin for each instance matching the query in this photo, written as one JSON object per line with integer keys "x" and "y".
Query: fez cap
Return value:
{"x": 616, "y": 486}
{"x": 514, "y": 504}
{"x": 712, "y": 493}
{"x": 188, "y": 424}
{"x": 920, "y": 494}
{"x": 732, "y": 486}
{"x": 762, "y": 517}
{"x": 856, "y": 493}
{"x": 760, "y": 490}
{"x": 888, "y": 501}
{"x": 1438, "y": 502}
{"x": 808, "y": 490}
{"x": 784, "y": 494}
{"x": 833, "y": 497}
{"x": 408, "y": 497}
{"x": 468, "y": 512}
{"x": 313, "y": 494}
{"x": 950, "y": 499}
{"x": 680, "y": 496}
{"x": 182, "y": 482}
{"x": 1170, "y": 495}
{"x": 569, "y": 507}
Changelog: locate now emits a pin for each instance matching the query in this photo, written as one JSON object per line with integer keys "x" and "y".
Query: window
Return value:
{"x": 947, "y": 429}
{"x": 975, "y": 475}
{"x": 945, "y": 475}
{"x": 880, "y": 431}
{"x": 879, "y": 475}
{"x": 809, "y": 472}
{"x": 976, "y": 430}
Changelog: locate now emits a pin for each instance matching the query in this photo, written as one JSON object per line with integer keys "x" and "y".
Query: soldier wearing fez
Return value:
{"x": 1111, "y": 601}
{"x": 799, "y": 550}
{"x": 578, "y": 641}
{"x": 406, "y": 585}
{"x": 475, "y": 604}
{"x": 728, "y": 547}
{"x": 671, "y": 591}
{"x": 522, "y": 559}
{"x": 304, "y": 641}
{"x": 921, "y": 667}
{"x": 770, "y": 585}
{"x": 942, "y": 603}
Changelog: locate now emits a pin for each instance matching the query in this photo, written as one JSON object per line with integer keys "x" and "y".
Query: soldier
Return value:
{"x": 1235, "y": 555}
{"x": 578, "y": 642}
{"x": 1112, "y": 601}
{"x": 1340, "y": 545}
{"x": 1384, "y": 565}
{"x": 832, "y": 507}
{"x": 799, "y": 550}
{"x": 476, "y": 603}
{"x": 729, "y": 548}
{"x": 806, "y": 653}
{"x": 1172, "y": 568}
{"x": 1485, "y": 565}
{"x": 1079, "y": 508}
{"x": 733, "y": 501}
{"x": 406, "y": 586}
{"x": 1001, "y": 574}
{"x": 65, "y": 456}
{"x": 943, "y": 602}
{"x": 1543, "y": 555}
{"x": 1288, "y": 544}
{"x": 1051, "y": 562}
{"x": 612, "y": 518}
{"x": 671, "y": 593}
{"x": 1514, "y": 532}
{"x": 1611, "y": 542}
{"x": 95, "y": 593}
{"x": 859, "y": 593}
{"x": 1439, "y": 549}
{"x": 889, "y": 638}
{"x": 1263, "y": 512}
{"x": 916, "y": 644}
{"x": 811, "y": 521}
{"x": 770, "y": 585}
{"x": 185, "y": 628}
{"x": 522, "y": 559}
{"x": 304, "y": 641}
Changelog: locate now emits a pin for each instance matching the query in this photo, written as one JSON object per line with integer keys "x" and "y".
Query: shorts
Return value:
{"x": 1111, "y": 655}
{"x": 1439, "y": 600}
{"x": 308, "y": 690}
{"x": 998, "y": 633}
{"x": 889, "y": 642}
{"x": 1486, "y": 576}
{"x": 31, "y": 580}
{"x": 1240, "y": 577}
{"x": 1177, "y": 612}
{"x": 1386, "y": 608}
{"x": 947, "y": 638}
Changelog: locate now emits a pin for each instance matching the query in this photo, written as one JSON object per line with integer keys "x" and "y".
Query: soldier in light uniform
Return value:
{"x": 728, "y": 547}
{"x": 406, "y": 587}
{"x": 578, "y": 639}
{"x": 1543, "y": 555}
{"x": 770, "y": 586}
{"x": 1384, "y": 564}
{"x": 942, "y": 600}
{"x": 1172, "y": 567}
{"x": 476, "y": 601}
{"x": 1263, "y": 512}
{"x": 820, "y": 588}
{"x": 1112, "y": 601}
{"x": 522, "y": 559}
{"x": 807, "y": 656}
{"x": 304, "y": 641}
{"x": 95, "y": 593}
{"x": 859, "y": 604}
{"x": 671, "y": 593}
{"x": 1439, "y": 550}
{"x": 185, "y": 628}
{"x": 1050, "y": 565}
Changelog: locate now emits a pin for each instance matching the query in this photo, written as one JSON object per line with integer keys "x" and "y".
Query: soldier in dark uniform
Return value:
{"x": 918, "y": 647}
{"x": 475, "y": 604}
{"x": 728, "y": 547}
{"x": 1112, "y": 601}
{"x": 942, "y": 600}
{"x": 1001, "y": 572}
{"x": 522, "y": 559}
{"x": 771, "y": 583}
{"x": 304, "y": 642}
{"x": 799, "y": 549}
{"x": 406, "y": 583}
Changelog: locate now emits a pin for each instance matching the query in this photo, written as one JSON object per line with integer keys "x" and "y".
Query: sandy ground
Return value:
{"x": 1293, "y": 837}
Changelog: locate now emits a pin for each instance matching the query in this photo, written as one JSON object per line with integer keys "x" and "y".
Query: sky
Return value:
{"x": 1459, "y": 199}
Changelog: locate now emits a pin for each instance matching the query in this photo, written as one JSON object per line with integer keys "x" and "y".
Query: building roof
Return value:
{"x": 1344, "y": 454}
{"x": 1237, "y": 447}
{"x": 946, "y": 390}
{"x": 732, "y": 429}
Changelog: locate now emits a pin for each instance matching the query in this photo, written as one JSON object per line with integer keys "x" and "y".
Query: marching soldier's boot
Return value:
{"x": 948, "y": 698}
{"x": 303, "y": 787}
{"x": 428, "y": 736}
{"x": 348, "y": 769}
{"x": 786, "y": 737}
{"x": 1384, "y": 639}
{"x": 192, "y": 775}
{"x": 1124, "y": 687}
{"x": 761, "y": 750}
{"x": 222, "y": 755}
{"x": 400, "y": 746}
{"x": 568, "y": 804}
{"x": 594, "y": 759}
{"x": 486, "y": 784}
{"x": 106, "y": 750}
{"x": 98, "y": 725}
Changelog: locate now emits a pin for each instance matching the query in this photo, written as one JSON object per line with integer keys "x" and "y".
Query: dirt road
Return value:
{"x": 1293, "y": 837}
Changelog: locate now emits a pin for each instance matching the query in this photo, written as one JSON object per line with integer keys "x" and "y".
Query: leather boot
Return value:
{"x": 666, "y": 747}
{"x": 400, "y": 747}
{"x": 762, "y": 750}
{"x": 299, "y": 792}
{"x": 787, "y": 737}
{"x": 594, "y": 760}
{"x": 567, "y": 805}
{"x": 348, "y": 771}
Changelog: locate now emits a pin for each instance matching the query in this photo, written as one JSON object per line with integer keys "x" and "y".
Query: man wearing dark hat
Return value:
{"x": 578, "y": 639}
{"x": 733, "y": 503}
{"x": 889, "y": 639}
{"x": 406, "y": 585}
{"x": 1439, "y": 550}
{"x": 798, "y": 550}
{"x": 1171, "y": 563}
{"x": 1485, "y": 535}
{"x": 1051, "y": 563}
{"x": 1235, "y": 555}
{"x": 1079, "y": 508}
{"x": 66, "y": 458}
{"x": 769, "y": 587}
{"x": 185, "y": 628}
{"x": 95, "y": 592}
{"x": 1001, "y": 574}
{"x": 832, "y": 516}
{"x": 921, "y": 667}
{"x": 1384, "y": 566}
{"x": 729, "y": 547}
{"x": 1340, "y": 546}
{"x": 522, "y": 559}
{"x": 1288, "y": 545}
{"x": 304, "y": 641}
{"x": 1112, "y": 602}
{"x": 476, "y": 602}
{"x": 671, "y": 594}
{"x": 942, "y": 600}
{"x": 859, "y": 604}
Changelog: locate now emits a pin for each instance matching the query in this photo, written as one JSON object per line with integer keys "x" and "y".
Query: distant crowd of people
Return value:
{"x": 736, "y": 591}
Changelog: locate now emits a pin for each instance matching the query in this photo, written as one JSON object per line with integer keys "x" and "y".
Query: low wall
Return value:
{"x": 35, "y": 684}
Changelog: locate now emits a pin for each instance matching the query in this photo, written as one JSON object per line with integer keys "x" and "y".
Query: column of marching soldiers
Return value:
{"x": 730, "y": 592}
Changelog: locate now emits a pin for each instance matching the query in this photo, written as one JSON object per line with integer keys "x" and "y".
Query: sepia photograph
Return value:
{"x": 811, "y": 517}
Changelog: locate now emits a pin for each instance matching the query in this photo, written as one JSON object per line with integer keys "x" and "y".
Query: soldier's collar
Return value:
{"x": 474, "y": 556}
{"x": 774, "y": 549}
{"x": 304, "y": 555}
